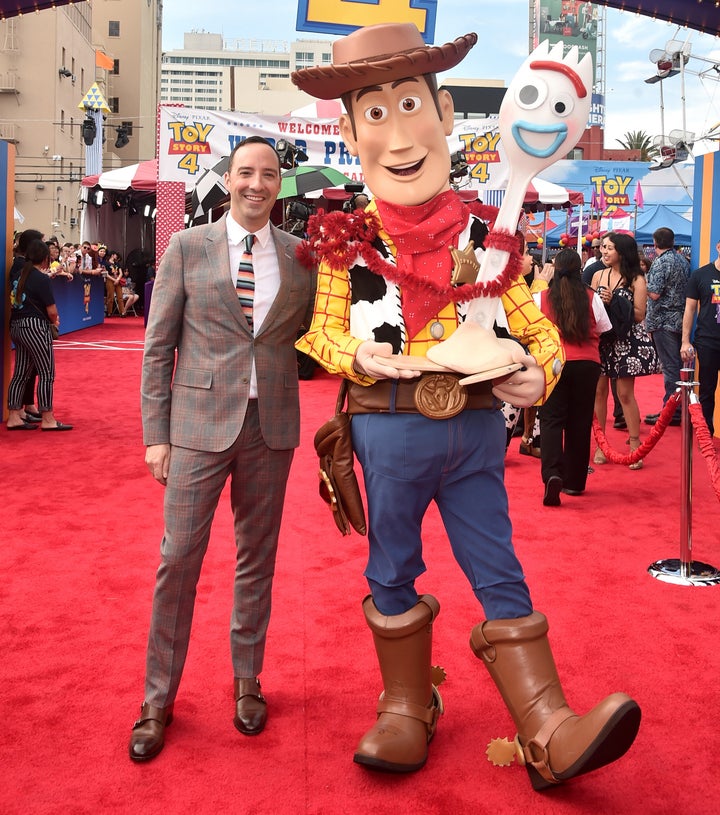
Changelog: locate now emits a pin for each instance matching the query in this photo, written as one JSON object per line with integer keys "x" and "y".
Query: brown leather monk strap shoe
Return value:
{"x": 250, "y": 707}
{"x": 148, "y": 733}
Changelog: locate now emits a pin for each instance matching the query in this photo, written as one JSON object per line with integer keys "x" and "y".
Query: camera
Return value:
{"x": 299, "y": 211}
{"x": 458, "y": 165}
{"x": 297, "y": 214}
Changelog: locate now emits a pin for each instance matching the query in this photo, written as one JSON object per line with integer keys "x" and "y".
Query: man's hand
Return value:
{"x": 523, "y": 387}
{"x": 157, "y": 458}
{"x": 373, "y": 359}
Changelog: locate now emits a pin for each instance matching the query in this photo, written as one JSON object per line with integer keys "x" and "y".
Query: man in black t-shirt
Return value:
{"x": 703, "y": 289}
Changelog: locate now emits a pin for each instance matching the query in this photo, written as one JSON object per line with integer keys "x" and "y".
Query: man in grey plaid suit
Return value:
{"x": 220, "y": 400}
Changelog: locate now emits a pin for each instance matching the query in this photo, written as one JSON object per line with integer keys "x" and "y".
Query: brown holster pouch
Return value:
{"x": 338, "y": 483}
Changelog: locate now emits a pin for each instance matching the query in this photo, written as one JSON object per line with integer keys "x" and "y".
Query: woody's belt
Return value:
{"x": 435, "y": 395}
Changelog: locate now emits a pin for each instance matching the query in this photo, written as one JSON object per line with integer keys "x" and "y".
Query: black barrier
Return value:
{"x": 80, "y": 302}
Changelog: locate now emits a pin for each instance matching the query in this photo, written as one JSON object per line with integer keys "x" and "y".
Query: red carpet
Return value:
{"x": 82, "y": 524}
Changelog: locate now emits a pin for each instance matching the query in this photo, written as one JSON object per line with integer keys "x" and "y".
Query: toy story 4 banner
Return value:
{"x": 193, "y": 143}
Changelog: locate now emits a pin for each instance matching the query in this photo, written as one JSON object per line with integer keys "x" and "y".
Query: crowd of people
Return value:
{"x": 124, "y": 282}
{"x": 34, "y": 321}
{"x": 644, "y": 328}
{"x": 34, "y": 317}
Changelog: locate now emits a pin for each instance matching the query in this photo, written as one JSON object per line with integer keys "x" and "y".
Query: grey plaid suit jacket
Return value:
{"x": 197, "y": 360}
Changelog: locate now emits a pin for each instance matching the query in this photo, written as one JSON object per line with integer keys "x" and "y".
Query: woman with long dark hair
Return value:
{"x": 623, "y": 358}
{"x": 566, "y": 417}
{"x": 32, "y": 312}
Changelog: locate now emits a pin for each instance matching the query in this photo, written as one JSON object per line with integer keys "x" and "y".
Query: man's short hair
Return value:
{"x": 664, "y": 238}
{"x": 253, "y": 140}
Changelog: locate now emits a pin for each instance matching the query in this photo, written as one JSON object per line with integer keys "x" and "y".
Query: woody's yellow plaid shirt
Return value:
{"x": 330, "y": 342}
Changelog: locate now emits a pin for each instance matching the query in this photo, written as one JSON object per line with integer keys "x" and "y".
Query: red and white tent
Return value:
{"x": 320, "y": 109}
{"x": 141, "y": 177}
{"x": 541, "y": 195}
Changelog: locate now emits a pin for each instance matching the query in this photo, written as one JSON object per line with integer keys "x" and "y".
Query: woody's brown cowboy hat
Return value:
{"x": 377, "y": 54}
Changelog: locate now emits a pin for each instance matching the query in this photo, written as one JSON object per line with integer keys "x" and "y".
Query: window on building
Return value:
{"x": 114, "y": 104}
{"x": 62, "y": 121}
{"x": 116, "y": 67}
{"x": 113, "y": 28}
{"x": 128, "y": 127}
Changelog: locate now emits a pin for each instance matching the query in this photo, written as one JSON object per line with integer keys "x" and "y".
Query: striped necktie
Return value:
{"x": 245, "y": 284}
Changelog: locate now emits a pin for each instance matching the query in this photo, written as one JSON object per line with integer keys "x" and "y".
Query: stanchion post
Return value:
{"x": 683, "y": 571}
{"x": 686, "y": 453}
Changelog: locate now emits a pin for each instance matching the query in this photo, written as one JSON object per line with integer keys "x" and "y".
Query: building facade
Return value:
{"x": 252, "y": 76}
{"x": 47, "y": 65}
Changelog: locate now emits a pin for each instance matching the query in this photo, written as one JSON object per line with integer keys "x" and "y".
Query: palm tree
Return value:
{"x": 639, "y": 140}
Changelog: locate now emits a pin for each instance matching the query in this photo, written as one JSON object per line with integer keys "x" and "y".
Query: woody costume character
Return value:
{"x": 391, "y": 282}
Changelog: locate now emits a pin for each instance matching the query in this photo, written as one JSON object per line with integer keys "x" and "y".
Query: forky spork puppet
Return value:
{"x": 542, "y": 116}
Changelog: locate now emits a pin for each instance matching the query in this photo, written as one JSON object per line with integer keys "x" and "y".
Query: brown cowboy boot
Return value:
{"x": 556, "y": 743}
{"x": 410, "y": 704}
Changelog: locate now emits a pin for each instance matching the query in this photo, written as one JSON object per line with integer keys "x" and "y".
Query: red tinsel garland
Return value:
{"x": 336, "y": 238}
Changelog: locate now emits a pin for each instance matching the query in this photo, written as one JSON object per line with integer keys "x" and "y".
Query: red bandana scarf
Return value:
{"x": 337, "y": 238}
{"x": 423, "y": 236}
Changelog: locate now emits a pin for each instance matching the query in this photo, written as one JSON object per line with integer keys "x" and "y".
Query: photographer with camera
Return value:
{"x": 297, "y": 215}
{"x": 358, "y": 201}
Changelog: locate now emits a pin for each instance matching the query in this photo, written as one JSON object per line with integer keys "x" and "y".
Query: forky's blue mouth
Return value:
{"x": 560, "y": 130}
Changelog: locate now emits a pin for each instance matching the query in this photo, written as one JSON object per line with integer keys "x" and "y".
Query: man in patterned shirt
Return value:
{"x": 384, "y": 289}
{"x": 666, "y": 282}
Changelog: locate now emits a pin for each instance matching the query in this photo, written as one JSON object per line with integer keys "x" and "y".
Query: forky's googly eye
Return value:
{"x": 562, "y": 104}
{"x": 531, "y": 95}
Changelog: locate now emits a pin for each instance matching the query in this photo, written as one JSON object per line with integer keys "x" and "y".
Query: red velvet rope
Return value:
{"x": 702, "y": 432}
{"x": 663, "y": 421}
{"x": 707, "y": 448}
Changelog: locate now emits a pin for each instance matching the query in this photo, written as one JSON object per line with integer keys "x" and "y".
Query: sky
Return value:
{"x": 502, "y": 28}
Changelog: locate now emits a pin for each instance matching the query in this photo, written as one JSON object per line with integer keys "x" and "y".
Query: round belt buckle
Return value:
{"x": 440, "y": 396}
